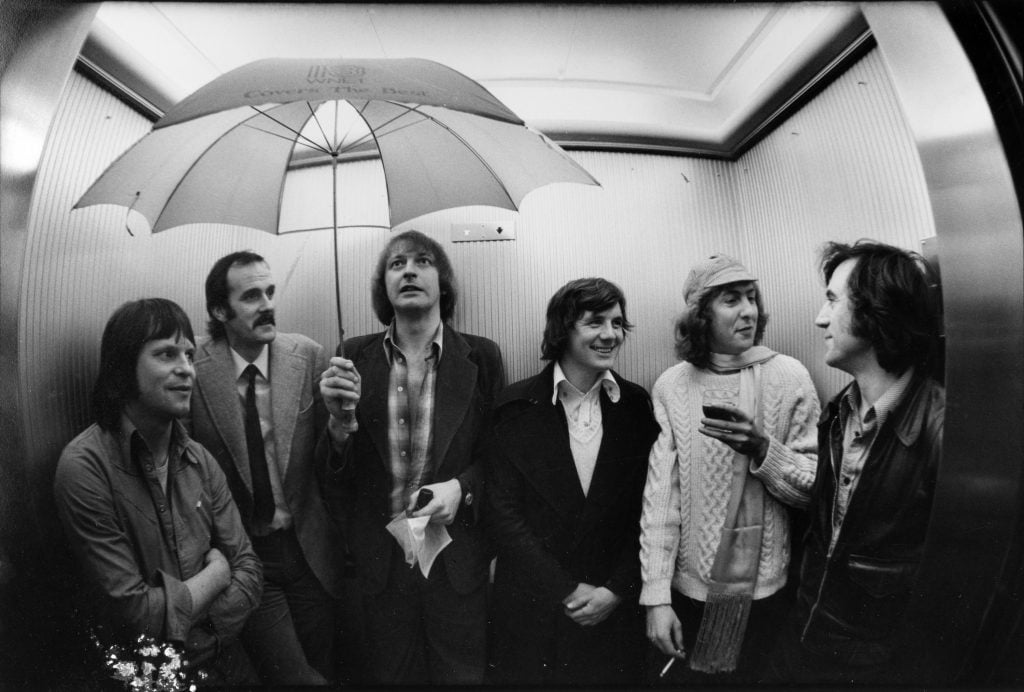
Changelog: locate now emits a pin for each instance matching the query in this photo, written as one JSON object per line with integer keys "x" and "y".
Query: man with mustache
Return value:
{"x": 421, "y": 393}
{"x": 258, "y": 410}
{"x": 147, "y": 510}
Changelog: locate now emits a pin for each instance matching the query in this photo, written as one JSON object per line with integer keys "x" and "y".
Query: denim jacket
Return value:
{"x": 137, "y": 545}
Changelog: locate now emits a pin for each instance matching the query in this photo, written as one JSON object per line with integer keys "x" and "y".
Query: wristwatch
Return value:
{"x": 467, "y": 493}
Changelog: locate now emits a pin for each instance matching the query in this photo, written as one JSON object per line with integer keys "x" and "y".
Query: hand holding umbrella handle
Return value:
{"x": 341, "y": 388}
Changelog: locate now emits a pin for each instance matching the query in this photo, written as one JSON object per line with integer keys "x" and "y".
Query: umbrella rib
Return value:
{"x": 308, "y": 144}
{"x": 370, "y": 131}
{"x": 376, "y": 134}
{"x": 297, "y": 133}
{"x": 351, "y": 125}
{"x": 192, "y": 166}
{"x": 373, "y": 134}
{"x": 456, "y": 135}
{"x": 312, "y": 114}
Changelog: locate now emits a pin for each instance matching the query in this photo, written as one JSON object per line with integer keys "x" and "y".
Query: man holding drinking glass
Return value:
{"x": 738, "y": 443}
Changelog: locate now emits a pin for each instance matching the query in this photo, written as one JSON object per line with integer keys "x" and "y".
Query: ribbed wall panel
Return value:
{"x": 68, "y": 278}
{"x": 849, "y": 171}
{"x": 844, "y": 167}
{"x": 641, "y": 229}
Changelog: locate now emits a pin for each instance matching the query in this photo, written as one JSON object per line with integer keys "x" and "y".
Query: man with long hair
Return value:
{"x": 147, "y": 510}
{"x": 880, "y": 440}
{"x": 565, "y": 476}
{"x": 419, "y": 426}
{"x": 737, "y": 447}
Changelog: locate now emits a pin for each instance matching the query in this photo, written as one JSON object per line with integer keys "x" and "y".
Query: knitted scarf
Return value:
{"x": 734, "y": 570}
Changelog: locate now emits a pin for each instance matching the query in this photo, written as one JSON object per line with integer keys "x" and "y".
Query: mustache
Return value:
{"x": 265, "y": 318}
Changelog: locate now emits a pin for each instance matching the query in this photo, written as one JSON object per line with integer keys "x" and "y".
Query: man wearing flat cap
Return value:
{"x": 737, "y": 445}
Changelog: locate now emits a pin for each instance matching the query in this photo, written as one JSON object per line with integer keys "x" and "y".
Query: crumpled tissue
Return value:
{"x": 421, "y": 540}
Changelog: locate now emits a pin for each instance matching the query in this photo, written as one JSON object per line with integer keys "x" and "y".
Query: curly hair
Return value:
{"x": 893, "y": 299}
{"x": 128, "y": 330}
{"x": 693, "y": 327}
{"x": 569, "y": 303}
{"x": 418, "y": 242}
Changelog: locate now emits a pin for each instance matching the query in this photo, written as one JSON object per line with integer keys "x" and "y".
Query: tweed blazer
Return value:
{"x": 358, "y": 484}
{"x": 299, "y": 416}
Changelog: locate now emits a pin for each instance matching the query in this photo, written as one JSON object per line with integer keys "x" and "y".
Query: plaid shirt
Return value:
{"x": 410, "y": 420}
{"x": 858, "y": 436}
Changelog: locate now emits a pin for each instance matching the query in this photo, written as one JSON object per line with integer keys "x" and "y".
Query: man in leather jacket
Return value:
{"x": 879, "y": 443}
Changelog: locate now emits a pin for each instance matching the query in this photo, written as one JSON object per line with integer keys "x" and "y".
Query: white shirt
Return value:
{"x": 276, "y": 466}
{"x": 583, "y": 415}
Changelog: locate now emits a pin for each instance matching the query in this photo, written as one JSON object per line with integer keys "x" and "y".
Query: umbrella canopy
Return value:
{"x": 284, "y": 80}
{"x": 230, "y": 167}
{"x": 222, "y": 154}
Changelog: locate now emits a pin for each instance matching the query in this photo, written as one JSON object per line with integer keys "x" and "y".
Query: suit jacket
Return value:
{"x": 358, "y": 485}
{"x": 217, "y": 421}
{"x": 549, "y": 535}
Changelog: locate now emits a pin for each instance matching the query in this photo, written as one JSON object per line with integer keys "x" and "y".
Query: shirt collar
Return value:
{"x": 892, "y": 396}
{"x": 390, "y": 346}
{"x": 879, "y": 412}
{"x": 607, "y": 381}
{"x": 127, "y": 433}
{"x": 262, "y": 362}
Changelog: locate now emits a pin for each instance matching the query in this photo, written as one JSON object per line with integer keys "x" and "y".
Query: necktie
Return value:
{"x": 263, "y": 496}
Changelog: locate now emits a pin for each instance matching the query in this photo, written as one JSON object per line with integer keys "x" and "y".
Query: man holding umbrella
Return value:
{"x": 258, "y": 410}
{"x": 419, "y": 426}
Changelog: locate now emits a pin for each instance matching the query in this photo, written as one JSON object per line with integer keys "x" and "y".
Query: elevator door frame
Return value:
{"x": 971, "y": 550}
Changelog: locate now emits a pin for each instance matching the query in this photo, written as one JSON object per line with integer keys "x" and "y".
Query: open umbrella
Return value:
{"x": 223, "y": 153}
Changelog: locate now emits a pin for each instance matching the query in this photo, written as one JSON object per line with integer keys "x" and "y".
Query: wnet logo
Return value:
{"x": 335, "y": 74}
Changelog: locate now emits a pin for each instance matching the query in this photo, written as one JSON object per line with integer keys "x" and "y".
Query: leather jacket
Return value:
{"x": 852, "y": 599}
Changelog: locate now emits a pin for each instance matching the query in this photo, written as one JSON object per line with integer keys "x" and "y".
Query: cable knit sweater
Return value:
{"x": 688, "y": 478}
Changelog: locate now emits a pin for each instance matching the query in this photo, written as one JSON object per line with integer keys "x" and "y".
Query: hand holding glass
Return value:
{"x": 716, "y": 404}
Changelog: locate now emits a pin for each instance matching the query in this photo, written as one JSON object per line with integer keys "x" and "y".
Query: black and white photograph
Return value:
{"x": 512, "y": 345}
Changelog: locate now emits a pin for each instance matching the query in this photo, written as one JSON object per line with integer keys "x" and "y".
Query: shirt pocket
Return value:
{"x": 195, "y": 516}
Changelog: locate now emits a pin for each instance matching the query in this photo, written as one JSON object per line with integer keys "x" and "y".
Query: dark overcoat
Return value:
{"x": 550, "y": 536}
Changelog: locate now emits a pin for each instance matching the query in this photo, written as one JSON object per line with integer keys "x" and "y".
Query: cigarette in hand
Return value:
{"x": 667, "y": 666}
